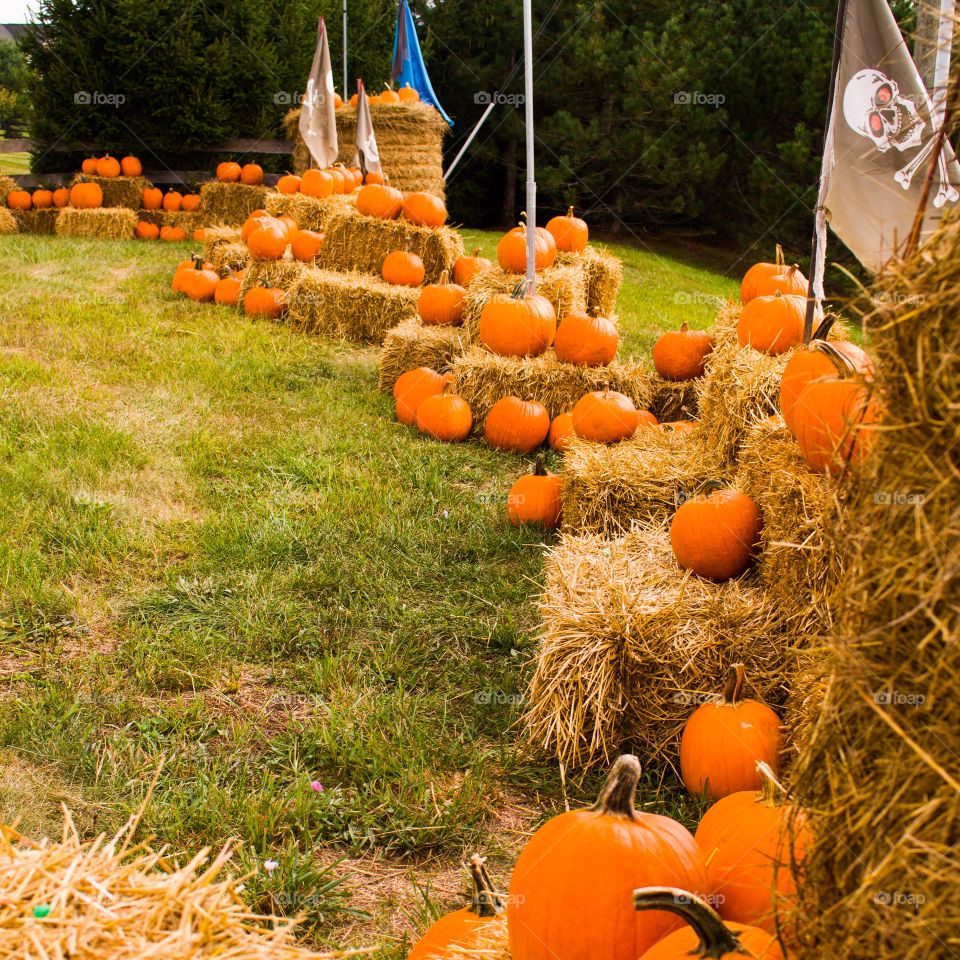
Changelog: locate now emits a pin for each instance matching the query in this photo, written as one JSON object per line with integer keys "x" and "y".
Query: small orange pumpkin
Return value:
{"x": 190, "y": 202}
{"x": 268, "y": 241}
{"x": 412, "y": 388}
{"x": 173, "y": 234}
{"x": 790, "y": 281}
{"x": 586, "y": 340}
{"x": 227, "y": 292}
{"x": 252, "y": 222}
{"x": 424, "y": 210}
{"x": 108, "y": 167}
{"x": 379, "y": 200}
{"x": 19, "y": 200}
{"x": 151, "y": 198}
{"x": 465, "y": 268}
{"x": 228, "y": 171}
{"x": 605, "y": 416}
{"x": 445, "y": 416}
{"x": 441, "y": 303}
{"x": 264, "y": 301}
{"x": 147, "y": 231}
{"x": 172, "y": 201}
{"x": 305, "y": 245}
{"x": 536, "y": 498}
{"x": 316, "y": 183}
{"x": 403, "y": 268}
{"x": 407, "y": 94}
{"x": 759, "y": 272}
{"x": 289, "y": 183}
{"x": 85, "y": 195}
{"x": 89, "y": 167}
{"x": 570, "y": 233}
{"x": 130, "y": 166}
{"x": 61, "y": 197}
{"x": 251, "y": 174}
{"x": 561, "y": 432}
{"x": 200, "y": 283}
{"x": 42, "y": 199}
{"x": 516, "y": 425}
{"x": 517, "y": 324}
{"x": 512, "y": 249}
{"x": 681, "y": 354}
{"x": 772, "y": 325}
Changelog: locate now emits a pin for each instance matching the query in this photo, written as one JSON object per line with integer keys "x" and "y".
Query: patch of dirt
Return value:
{"x": 31, "y": 798}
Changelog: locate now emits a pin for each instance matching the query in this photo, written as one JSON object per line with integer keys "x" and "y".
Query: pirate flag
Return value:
{"x": 881, "y": 133}
{"x": 318, "y": 122}
{"x": 367, "y": 157}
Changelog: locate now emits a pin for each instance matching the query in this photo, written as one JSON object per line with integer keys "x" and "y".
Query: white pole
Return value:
{"x": 941, "y": 70}
{"x": 345, "y": 94}
{"x": 473, "y": 133}
{"x": 531, "y": 181}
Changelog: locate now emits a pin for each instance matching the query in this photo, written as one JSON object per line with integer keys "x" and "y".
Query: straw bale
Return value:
{"x": 230, "y": 204}
{"x": 227, "y": 258}
{"x": 564, "y": 286}
{"x": 673, "y": 399}
{"x": 880, "y": 769}
{"x": 483, "y": 378}
{"x": 190, "y": 220}
{"x": 808, "y": 678}
{"x": 629, "y": 644}
{"x": 6, "y": 185}
{"x": 350, "y": 306}
{"x": 310, "y": 213}
{"x": 282, "y": 274}
{"x": 118, "y": 191}
{"x": 604, "y": 274}
{"x": 102, "y": 223}
{"x": 8, "y": 222}
{"x": 37, "y": 221}
{"x": 613, "y": 488}
{"x": 412, "y": 344}
{"x": 112, "y": 898}
{"x": 359, "y": 243}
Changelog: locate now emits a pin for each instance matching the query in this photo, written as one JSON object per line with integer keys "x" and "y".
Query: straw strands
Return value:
{"x": 310, "y": 213}
{"x": 629, "y": 643}
{"x": 118, "y": 191}
{"x": 37, "y": 221}
{"x": 355, "y": 242}
{"x": 604, "y": 275}
{"x": 282, "y": 274}
{"x": 673, "y": 399}
{"x": 190, "y": 220}
{"x": 230, "y": 203}
{"x": 412, "y": 344}
{"x": 488, "y": 941}
{"x": 8, "y": 222}
{"x": 111, "y": 899}
{"x": 349, "y": 306}
{"x": 483, "y": 378}
{"x": 103, "y": 223}
{"x": 223, "y": 248}
{"x": 879, "y": 776}
{"x": 6, "y": 185}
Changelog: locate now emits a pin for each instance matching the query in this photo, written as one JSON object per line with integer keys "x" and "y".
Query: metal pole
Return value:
{"x": 473, "y": 133}
{"x": 345, "y": 96}
{"x": 941, "y": 70}
{"x": 531, "y": 177}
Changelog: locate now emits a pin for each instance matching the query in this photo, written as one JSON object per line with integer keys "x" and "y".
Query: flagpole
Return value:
{"x": 345, "y": 97}
{"x": 815, "y": 246}
{"x": 531, "y": 181}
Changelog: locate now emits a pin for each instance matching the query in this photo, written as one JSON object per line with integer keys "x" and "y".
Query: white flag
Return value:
{"x": 367, "y": 157}
{"x": 318, "y": 120}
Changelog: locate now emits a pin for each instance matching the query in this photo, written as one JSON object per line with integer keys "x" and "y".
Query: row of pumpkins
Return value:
{"x": 608, "y": 881}
{"x": 82, "y": 195}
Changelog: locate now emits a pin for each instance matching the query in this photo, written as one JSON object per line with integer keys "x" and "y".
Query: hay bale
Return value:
{"x": 673, "y": 400}
{"x": 412, "y": 344}
{"x": 6, "y": 185}
{"x": 190, "y": 220}
{"x": 604, "y": 275}
{"x": 613, "y": 488}
{"x": 564, "y": 286}
{"x": 310, "y": 213}
{"x": 229, "y": 204}
{"x": 349, "y": 306}
{"x": 102, "y": 223}
{"x": 356, "y": 243}
{"x": 118, "y": 191}
{"x": 228, "y": 258}
{"x": 629, "y": 643}
{"x": 483, "y": 378}
{"x": 113, "y": 897}
{"x": 36, "y": 221}
{"x": 409, "y": 138}
{"x": 880, "y": 770}
{"x": 282, "y": 274}
{"x": 8, "y": 222}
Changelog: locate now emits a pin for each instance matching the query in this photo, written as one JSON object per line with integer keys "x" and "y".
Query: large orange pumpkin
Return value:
{"x": 228, "y": 171}
{"x": 151, "y": 198}
{"x": 85, "y": 195}
{"x": 108, "y": 167}
{"x": 516, "y": 324}
{"x": 130, "y": 166}
{"x": 268, "y": 241}
{"x": 570, "y": 233}
{"x": 772, "y": 325}
{"x": 379, "y": 200}
{"x": 715, "y": 535}
{"x": 516, "y": 425}
{"x": 536, "y": 498}
{"x": 253, "y": 222}
{"x": 442, "y": 303}
{"x": 605, "y": 416}
{"x": 722, "y": 742}
{"x": 305, "y": 245}
{"x": 42, "y": 199}
{"x": 790, "y": 281}
{"x": 465, "y": 268}
{"x": 251, "y": 174}
{"x": 316, "y": 183}
{"x": 412, "y": 388}
{"x": 199, "y": 283}
{"x": 61, "y": 197}
{"x": 445, "y": 416}
{"x": 512, "y": 249}
{"x": 19, "y": 200}
{"x": 424, "y": 210}
{"x": 751, "y": 842}
{"x": 681, "y": 354}
{"x": 706, "y": 935}
{"x": 403, "y": 268}
{"x": 586, "y": 340}
{"x": 264, "y": 301}
{"x": 571, "y": 891}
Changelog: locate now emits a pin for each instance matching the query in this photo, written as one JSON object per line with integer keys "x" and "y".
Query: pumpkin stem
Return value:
{"x": 486, "y": 903}
{"x": 520, "y": 290}
{"x": 684, "y": 327}
{"x": 444, "y": 278}
{"x": 772, "y": 790}
{"x": 618, "y": 793}
{"x": 569, "y": 211}
{"x": 845, "y": 367}
{"x": 780, "y": 260}
{"x": 540, "y": 467}
{"x": 823, "y": 330}
{"x": 716, "y": 938}
{"x": 476, "y": 253}
{"x": 736, "y": 676}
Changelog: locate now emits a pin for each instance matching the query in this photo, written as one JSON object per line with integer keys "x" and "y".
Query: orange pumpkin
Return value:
{"x": 407, "y": 94}
{"x": 85, "y": 195}
{"x": 570, "y": 233}
{"x": 586, "y": 340}
{"x": 465, "y": 268}
{"x": 715, "y": 535}
{"x": 264, "y": 301}
{"x": 61, "y": 197}
{"x": 379, "y": 200}
{"x": 461, "y": 927}
{"x": 151, "y": 198}
{"x": 403, "y": 268}
{"x": 561, "y": 432}
{"x": 442, "y": 303}
{"x": 190, "y": 202}
{"x": 252, "y": 222}
{"x": 200, "y": 235}
{"x": 772, "y": 325}
{"x": 108, "y": 167}
{"x": 130, "y": 166}
{"x": 19, "y": 200}
{"x": 722, "y": 742}
{"x": 147, "y": 231}
{"x": 389, "y": 96}
{"x": 445, "y": 416}
{"x": 374, "y": 177}
{"x": 412, "y": 388}
{"x": 790, "y": 281}
{"x": 571, "y": 891}
{"x": 517, "y": 324}
{"x": 757, "y": 273}
{"x": 605, "y": 416}
{"x": 681, "y": 354}
{"x": 269, "y": 240}
{"x": 172, "y": 201}
{"x": 42, "y": 199}
{"x": 251, "y": 174}
{"x": 89, "y": 167}
{"x": 316, "y": 183}
{"x": 339, "y": 184}
{"x": 227, "y": 292}
{"x": 289, "y": 183}
{"x": 228, "y": 172}
{"x": 173, "y": 234}
{"x": 706, "y": 935}
{"x": 305, "y": 245}
{"x": 516, "y": 425}
{"x": 751, "y": 841}
{"x": 536, "y": 498}
{"x": 512, "y": 249}
{"x": 199, "y": 284}
{"x": 424, "y": 210}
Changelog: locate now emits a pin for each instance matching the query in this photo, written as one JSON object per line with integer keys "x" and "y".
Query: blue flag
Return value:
{"x": 408, "y": 65}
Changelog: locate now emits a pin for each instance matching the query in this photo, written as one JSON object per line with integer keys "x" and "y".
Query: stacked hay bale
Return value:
{"x": 37, "y": 221}
{"x": 102, "y": 223}
{"x": 603, "y": 273}
{"x": 878, "y": 776}
{"x": 8, "y": 222}
{"x": 283, "y": 274}
{"x": 413, "y": 344}
{"x": 126, "y": 192}
{"x": 190, "y": 220}
{"x": 311, "y": 213}
{"x": 223, "y": 248}
{"x": 229, "y": 204}
{"x": 6, "y": 185}
{"x": 409, "y": 138}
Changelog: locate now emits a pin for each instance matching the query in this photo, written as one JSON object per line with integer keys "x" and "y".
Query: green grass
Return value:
{"x": 225, "y": 565}
{"x": 12, "y": 163}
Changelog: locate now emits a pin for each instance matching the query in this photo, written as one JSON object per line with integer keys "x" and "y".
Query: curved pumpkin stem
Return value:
{"x": 444, "y": 278}
{"x": 716, "y": 938}
{"x": 476, "y": 253}
{"x": 486, "y": 903}
{"x": 772, "y": 791}
{"x": 736, "y": 677}
{"x": 618, "y": 793}
{"x": 520, "y": 290}
{"x": 684, "y": 327}
{"x": 823, "y": 331}
{"x": 780, "y": 259}
{"x": 569, "y": 211}
{"x": 844, "y": 367}
{"x": 540, "y": 466}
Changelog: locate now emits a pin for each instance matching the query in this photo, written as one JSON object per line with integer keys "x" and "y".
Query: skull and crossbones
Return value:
{"x": 874, "y": 108}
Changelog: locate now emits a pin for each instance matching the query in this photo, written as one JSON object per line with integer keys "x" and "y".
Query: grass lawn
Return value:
{"x": 228, "y": 573}
{"x": 11, "y": 163}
